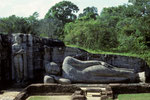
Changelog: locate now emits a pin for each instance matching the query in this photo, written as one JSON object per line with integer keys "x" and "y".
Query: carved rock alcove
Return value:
{"x": 39, "y": 52}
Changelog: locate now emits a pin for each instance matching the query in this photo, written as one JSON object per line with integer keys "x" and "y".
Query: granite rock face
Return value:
{"x": 41, "y": 52}
{"x": 52, "y": 68}
{"x": 48, "y": 79}
{"x": 38, "y": 52}
{"x": 44, "y": 50}
{"x": 139, "y": 65}
{"x": 56, "y": 79}
{"x": 94, "y": 71}
{"x": 22, "y": 51}
{"x": 75, "y": 52}
{"x": 5, "y": 59}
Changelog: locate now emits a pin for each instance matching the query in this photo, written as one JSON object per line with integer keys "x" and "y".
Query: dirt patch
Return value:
{"x": 9, "y": 94}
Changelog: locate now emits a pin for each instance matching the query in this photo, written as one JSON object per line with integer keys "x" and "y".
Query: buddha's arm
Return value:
{"x": 83, "y": 64}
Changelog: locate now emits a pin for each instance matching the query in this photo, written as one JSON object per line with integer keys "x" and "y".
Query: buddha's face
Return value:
{"x": 52, "y": 68}
{"x": 58, "y": 54}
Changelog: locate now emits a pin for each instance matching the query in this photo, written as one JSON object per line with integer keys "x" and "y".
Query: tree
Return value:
{"x": 64, "y": 11}
{"x": 143, "y": 9}
{"x": 50, "y": 27}
{"x": 142, "y": 6}
{"x": 7, "y": 25}
{"x": 33, "y": 23}
{"x": 88, "y": 13}
{"x": 90, "y": 34}
{"x": 14, "y": 24}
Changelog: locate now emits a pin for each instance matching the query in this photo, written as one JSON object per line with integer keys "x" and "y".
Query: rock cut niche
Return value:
{"x": 30, "y": 55}
{"x": 36, "y": 53}
{"x": 22, "y": 57}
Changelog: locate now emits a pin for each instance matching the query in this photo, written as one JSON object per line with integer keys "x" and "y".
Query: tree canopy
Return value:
{"x": 14, "y": 24}
{"x": 64, "y": 11}
{"x": 88, "y": 13}
{"x": 124, "y": 28}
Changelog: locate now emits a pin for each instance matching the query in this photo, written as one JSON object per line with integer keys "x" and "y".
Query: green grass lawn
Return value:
{"x": 140, "y": 96}
{"x": 65, "y": 97}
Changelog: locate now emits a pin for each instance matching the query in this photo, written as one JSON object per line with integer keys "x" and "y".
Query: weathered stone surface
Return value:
{"x": 130, "y": 88}
{"x": 139, "y": 65}
{"x": 76, "y": 53}
{"x": 96, "y": 72}
{"x": 115, "y": 60}
{"x": 29, "y": 43}
{"x": 79, "y": 95}
{"x": 38, "y": 56}
{"x": 52, "y": 68}
{"x": 39, "y": 53}
{"x": 142, "y": 77}
{"x": 5, "y": 60}
{"x": 46, "y": 89}
{"x": 22, "y": 56}
{"x": 48, "y": 79}
{"x": 120, "y": 61}
{"x": 43, "y": 49}
{"x": 61, "y": 80}
{"x": 19, "y": 57}
{"x": 58, "y": 55}
{"x": 64, "y": 81}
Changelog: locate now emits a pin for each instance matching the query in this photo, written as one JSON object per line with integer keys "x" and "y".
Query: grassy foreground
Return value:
{"x": 145, "y": 55}
{"x": 140, "y": 96}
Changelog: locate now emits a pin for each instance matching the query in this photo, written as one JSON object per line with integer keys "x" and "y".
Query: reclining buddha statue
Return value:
{"x": 94, "y": 71}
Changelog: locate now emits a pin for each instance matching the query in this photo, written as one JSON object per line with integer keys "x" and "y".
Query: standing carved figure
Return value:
{"x": 18, "y": 56}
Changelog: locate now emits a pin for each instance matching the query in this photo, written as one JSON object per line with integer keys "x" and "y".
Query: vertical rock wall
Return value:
{"x": 41, "y": 51}
{"x": 46, "y": 50}
{"x": 139, "y": 65}
{"x": 24, "y": 42}
{"x": 5, "y": 59}
{"x": 30, "y": 55}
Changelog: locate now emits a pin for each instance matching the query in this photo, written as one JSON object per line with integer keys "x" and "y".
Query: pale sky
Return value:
{"x": 25, "y": 8}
